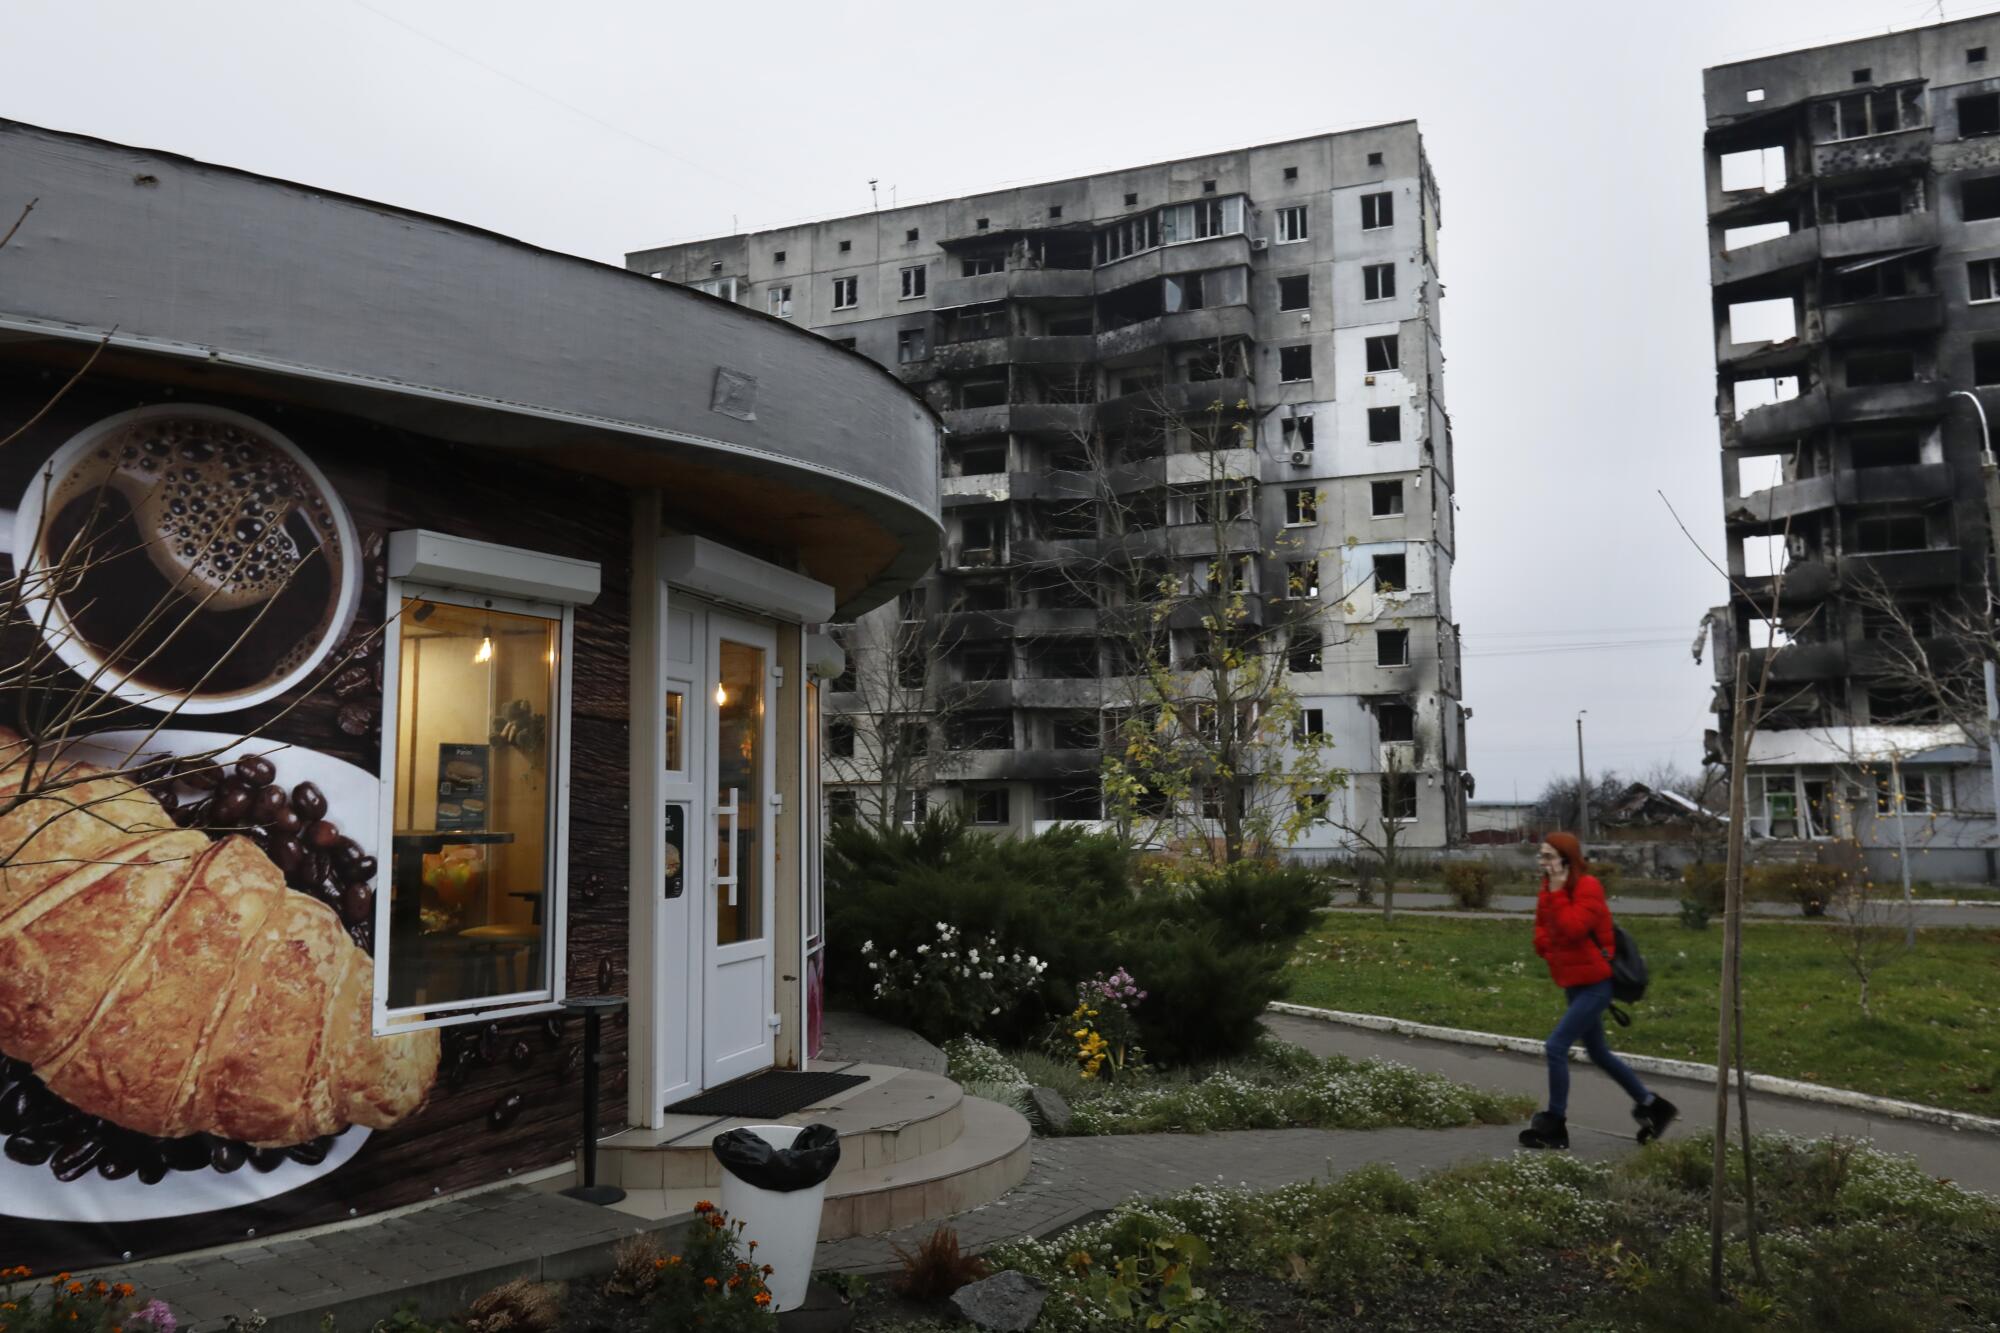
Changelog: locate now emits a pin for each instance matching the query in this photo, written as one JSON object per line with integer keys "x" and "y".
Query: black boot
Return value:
{"x": 1546, "y": 1131}
{"x": 1654, "y": 1117}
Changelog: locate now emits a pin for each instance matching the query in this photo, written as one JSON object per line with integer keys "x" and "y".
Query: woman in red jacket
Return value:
{"x": 1573, "y": 936}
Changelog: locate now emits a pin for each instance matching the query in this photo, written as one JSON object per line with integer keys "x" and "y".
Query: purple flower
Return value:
{"x": 156, "y": 1315}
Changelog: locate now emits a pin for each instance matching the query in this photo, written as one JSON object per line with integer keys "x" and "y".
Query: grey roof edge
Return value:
{"x": 188, "y": 259}
{"x": 816, "y": 221}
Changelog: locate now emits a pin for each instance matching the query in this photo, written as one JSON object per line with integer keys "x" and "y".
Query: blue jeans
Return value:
{"x": 1584, "y": 1021}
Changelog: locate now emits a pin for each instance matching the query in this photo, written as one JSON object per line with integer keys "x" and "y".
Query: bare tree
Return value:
{"x": 1928, "y": 656}
{"x": 1380, "y": 834}
{"x": 1867, "y": 929}
{"x": 890, "y": 744}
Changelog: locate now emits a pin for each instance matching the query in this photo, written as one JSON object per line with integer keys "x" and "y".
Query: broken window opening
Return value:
{"x": 1395, "y": 721}
{"x": 1986, "y": 362}
{"x": 1296, "y": 432}
{"x": 1907, "y": 622}
{"x": 1392, "y": 573}
{"x": 1385, "y": 425}
{"x": 1301, "y": 506}
{"x": 989, "y": 805}
{"x": 1771, "y": 321}
{"x": 912, "y": 345}
{"x": 1310, "y": 722}
{"x": 1385, "y": 499}
{"x": 1887, "y": 366}
{"x": 1735, "y": 238}
{"x": 982, "y": 393}
{"x": 978, "y": 460}
{"x": 1399, "y": 797}
{"x": 1305, "y": 651}
{"x": 1295, "y": 364}
{"x": 1978, "y": 115}
{"x": 986, "y": 662}
{"x": 1295, "y": 293}
{"x": 1858, "y": 115}
{"x": 1074, "y": 729}
{"x": 1378, "y": 282}
{"x": 1982, "y": 279}
{"x": 840, "y": 737}
{"x": 1302, "y": 580}
{"x": 1384, "y": 352}
{"x": 1979, "y": 200}
{"x": 1898, "y": 532}
{"x": 1754, "y": 169}
{"x": 1901, "y": 450}
{"x": 1392, "y": 647}
{"x": 1749, "y": 395}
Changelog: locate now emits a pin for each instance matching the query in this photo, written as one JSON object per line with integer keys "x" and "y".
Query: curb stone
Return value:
{"x": 1654, "y": 1064}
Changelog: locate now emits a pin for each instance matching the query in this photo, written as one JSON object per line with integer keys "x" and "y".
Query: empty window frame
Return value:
{"x": 1399, "y": 797}
{"x": 1291, "y": 173}
{"x": 912, "y": 345}
{"x": 1305, "y": 651}
{"x": 1883, "y": 111}
{"x": 777, "y": 256}
{"x": 847, "y": 343}
{"x": 989, "y": 805}
{"x": 842, "y": 805}
{"x": 1302, "y": 580}
{"x": 909, "y": 234}
{"x": 1978, "y": 115}
{"x": 1392, "y": 572}
{"x": 1385, "y": 499}
{"x": 1385, "y": 425}
{"x": 1075, "y": 729}
{"x": 847, "y": 247}
{"x": 1301, "y": 506}
{"x": 1867, "y": 451}
{"x": 1310, "y": 722}
{"x": 1378, "y": 282}
{"x": 1889, "y": 366}
{"x": 1902, "y": 532}
{"x": 1394, "y": 722}
{"x": 1201, "y": 220}
{"x": 1073, "y": 803}
{"x": 1378, "y": 211}
{"x": 778, "y": 301}
{"x": 1975, "y": 55}
{"x": 982, "y": 264}
{"x": 1392, "y": 647}
{"x": 1907, "y": 621}
{"x": 913, "y": 282}
{"x": 1979, "y": 200}
{"x": 1295, "y": 364}
{"x": 1375, "y": 159}
{"x": 1295, "y": 292}
{"x": 985, "y": 661}
{"x": 840, "y": 738}
{"x": 1982, "y": 279}
{"x": 846, "y": 293}
{"x": 1986, "y": 362}
{"x": 1296, "y": 432}
{"x": 1383, "y": 352}
{"x": 1289, "y": 225}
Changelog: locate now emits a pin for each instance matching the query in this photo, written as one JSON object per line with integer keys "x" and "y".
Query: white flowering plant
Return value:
{"x": 952, "y": 984}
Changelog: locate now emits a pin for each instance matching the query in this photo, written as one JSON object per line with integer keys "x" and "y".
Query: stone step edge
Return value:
{"x": 977, "y": 1109}
{"x": 1655, "y": 1064}
{"x": 860, "y": 1094}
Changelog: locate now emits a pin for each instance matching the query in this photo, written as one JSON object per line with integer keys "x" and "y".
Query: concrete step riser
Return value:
{"x": 694, "y": 1166}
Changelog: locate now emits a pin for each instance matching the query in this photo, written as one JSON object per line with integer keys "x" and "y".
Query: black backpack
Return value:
{"x": 1628, "y": 967}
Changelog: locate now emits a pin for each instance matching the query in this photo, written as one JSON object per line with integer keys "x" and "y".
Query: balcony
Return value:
{"x": 1191, "y": 399}
{"x": 1878, "y": 485}
{"x": 1893, "y": 317}
{"x": 1904, "y": 150}
{"x": 1184, "y": 257}
{"x": 979, "y": 488}
{"x": 1187, "y": 326}
{"x": 1912, "y": 400}
{"x": 1778, "y": 255}
{"x": 1015, "y": 349}
{"x": 956, "y": 555}
{"x": 1937, "y": 567}
{"x": 1021, "y": 418}
{"x": 1038, "y": 764}
{"x": 1776, "y": 423}
{"x": 1869, "y": 236}
{"x": 1799, "y": 663}
{"x": 1014, "y": 284}
{"x": 1806, "y": 583}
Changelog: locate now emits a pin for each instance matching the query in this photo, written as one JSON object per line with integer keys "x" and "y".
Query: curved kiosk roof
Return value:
{"x": 755, "y": 432}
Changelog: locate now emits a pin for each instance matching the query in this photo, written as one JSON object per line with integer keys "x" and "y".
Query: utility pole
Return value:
{"x": 1732, "y": 917}
{"x": 1991, "y": 472}
{"x": 1582, "y": 783}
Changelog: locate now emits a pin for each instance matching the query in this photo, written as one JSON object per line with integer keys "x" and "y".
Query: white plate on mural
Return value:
{"x": 33, "y": 1192}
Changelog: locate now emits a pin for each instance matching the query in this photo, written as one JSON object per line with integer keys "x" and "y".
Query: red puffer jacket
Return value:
{"x": 1570, "y": 926}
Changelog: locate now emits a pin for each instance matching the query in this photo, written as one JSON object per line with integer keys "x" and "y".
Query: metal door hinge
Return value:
{"x": 775, "y": 1022}
{"x": 778, "y": 674}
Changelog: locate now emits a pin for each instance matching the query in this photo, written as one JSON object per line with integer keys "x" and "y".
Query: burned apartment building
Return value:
{"x": 1854, "y": 240}
{"x": 1102, "y": 350}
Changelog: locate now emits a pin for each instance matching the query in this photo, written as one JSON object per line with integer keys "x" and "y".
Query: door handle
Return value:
{"x": 729, "y": 880}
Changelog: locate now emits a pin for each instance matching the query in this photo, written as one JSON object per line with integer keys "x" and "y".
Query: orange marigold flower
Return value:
{"x": 673, "y": 1259}
{"x": 735, "y": 1282}
{"x": 704, "y": 1207}
{"x": 762, "y": 1298}
{"x": 659, "y": 1264}
{"x": 124, "y": 1288}
{"x": 74, "y": 1289}
{"x": 708, "y": 1282}
{"x": 768, "y": 1270}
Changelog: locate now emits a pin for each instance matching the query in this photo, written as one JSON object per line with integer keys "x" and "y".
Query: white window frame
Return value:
{"x": 851, "y": 284}
{"x": 555, "y": 894}
{"x": 914, "y": 284}
{"x": 778, "y": 301}
{"x": 1368, "y": 206}
{"x": 1289, "y": 225}
{"x": 1312, "y": 722}
{"x": 1309, "y": 507}
{"x": 1407, "y": 654}
{"x": 1367, "y": 269}
{"x": 1402, "y": 501}
{"x": 1992, "y": 268}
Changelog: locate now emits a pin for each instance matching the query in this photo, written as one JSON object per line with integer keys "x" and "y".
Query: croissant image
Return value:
{"x": 174, "y": 985}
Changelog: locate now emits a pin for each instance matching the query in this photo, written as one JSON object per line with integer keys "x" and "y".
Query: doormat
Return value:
{"x": 774, "y": 1092}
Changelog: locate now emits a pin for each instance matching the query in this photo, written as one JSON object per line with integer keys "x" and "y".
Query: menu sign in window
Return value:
{"x": 462, "y": 781}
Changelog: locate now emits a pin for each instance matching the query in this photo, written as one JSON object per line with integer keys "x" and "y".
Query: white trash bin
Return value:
{"x": 784, "y": 1223}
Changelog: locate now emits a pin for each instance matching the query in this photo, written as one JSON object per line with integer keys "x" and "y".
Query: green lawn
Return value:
{"x": 1933, "y": 1037}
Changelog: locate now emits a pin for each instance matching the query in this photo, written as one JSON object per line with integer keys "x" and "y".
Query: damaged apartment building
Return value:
{"x": 1269, "y": 315}
{"x": 1854, "y": 239}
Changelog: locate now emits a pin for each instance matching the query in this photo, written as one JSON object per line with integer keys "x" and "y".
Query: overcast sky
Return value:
{"x": 1566, "y": 139}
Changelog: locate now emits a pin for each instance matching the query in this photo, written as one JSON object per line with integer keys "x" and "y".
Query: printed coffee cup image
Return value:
{"x": 196, "y": 559}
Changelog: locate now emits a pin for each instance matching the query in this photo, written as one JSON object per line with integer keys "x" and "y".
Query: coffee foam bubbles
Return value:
{"x": 213, "y": 503}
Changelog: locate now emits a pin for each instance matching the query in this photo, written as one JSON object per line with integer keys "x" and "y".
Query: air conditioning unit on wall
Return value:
{"x": 1260, "y": 243}
{"x": 1301, "y": 457}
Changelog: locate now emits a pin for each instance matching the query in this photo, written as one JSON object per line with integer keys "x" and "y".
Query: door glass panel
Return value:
{"x": 739, "y": 780}
{"x": 676, "y": 759}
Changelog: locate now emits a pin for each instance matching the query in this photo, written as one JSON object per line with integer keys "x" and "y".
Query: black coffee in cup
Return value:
{"x": 193, "y": 555}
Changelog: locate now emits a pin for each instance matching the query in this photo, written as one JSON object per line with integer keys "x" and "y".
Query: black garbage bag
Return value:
{"x": 811, "y": 1158}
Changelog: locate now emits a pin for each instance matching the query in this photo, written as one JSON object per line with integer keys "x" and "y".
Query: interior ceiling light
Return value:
{"x": 721, "y": 695}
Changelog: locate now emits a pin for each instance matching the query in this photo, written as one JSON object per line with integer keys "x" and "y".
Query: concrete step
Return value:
{"x": 897, "y": 1116}
{"x": 986, "y": 1159}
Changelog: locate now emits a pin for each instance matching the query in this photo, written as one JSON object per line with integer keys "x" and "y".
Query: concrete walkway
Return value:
{"x": 1075, "y": 1179}
{"x": 1507, "y": 905}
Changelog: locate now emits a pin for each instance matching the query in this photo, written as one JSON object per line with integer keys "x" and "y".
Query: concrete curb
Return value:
{"x": 1653, "y": 1064}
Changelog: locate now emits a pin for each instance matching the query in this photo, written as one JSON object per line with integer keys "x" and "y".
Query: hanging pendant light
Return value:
{"x": 721, "y": 694}
{"x": 485, "y": 653}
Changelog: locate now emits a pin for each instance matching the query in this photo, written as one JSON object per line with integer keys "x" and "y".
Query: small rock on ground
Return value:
{"x": 1052, "y": 1113}
{"x": 1007, "y": 1302}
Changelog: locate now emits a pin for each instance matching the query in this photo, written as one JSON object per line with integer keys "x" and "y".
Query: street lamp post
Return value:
{"x": 1582, "y": 783}
{"x": 1991, "y": 474}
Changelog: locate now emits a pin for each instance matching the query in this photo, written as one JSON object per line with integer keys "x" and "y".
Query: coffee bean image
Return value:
{"x": 522, "y": 1053}
{"x": 256, "y": 770}
{"x": 269, "y": 802}
{"x": 309, "y": 801}
{"x": 506, "y": 1111}
{"x": 226, "y": 1156}
{"x": 30, "y": 1149}
{"x": 357, "y": 903}
{"x": 76, "y": 1157}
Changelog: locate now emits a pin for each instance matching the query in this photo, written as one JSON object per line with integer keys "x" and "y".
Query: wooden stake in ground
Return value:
{"x": 1739, "y": 757}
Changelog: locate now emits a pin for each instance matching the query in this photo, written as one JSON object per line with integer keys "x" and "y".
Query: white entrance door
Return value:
{"x": 736, "y": 795}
